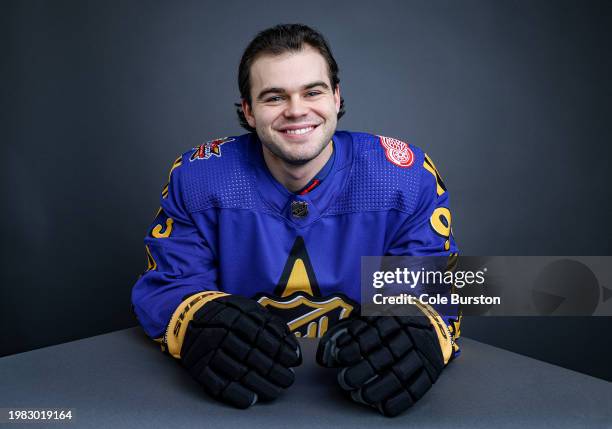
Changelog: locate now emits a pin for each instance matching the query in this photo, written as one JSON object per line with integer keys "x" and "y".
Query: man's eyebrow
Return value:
{"x": 315, "y": 84}
{"x": 267, "y": 91}
{"x": 275, "y": 90}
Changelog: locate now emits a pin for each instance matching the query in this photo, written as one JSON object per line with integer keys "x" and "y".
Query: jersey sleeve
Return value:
{"x": 180, "y": 262}
{"x": 428, "y": 232}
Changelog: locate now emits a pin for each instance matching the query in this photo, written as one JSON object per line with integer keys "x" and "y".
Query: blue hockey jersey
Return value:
{"x": 225, "y": 224}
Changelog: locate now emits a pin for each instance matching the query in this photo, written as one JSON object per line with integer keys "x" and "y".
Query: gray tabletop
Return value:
{"x": 122, "y": 380}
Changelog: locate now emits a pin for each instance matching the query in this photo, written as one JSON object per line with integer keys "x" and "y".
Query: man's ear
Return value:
{"x": 337, "y": 97}
{"x": 248, "y": 113}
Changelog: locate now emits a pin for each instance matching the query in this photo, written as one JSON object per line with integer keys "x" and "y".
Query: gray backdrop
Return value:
{"x": 511, "y": 100}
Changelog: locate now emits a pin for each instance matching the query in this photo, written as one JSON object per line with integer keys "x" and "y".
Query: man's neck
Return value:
{"x": 295, "y": 177}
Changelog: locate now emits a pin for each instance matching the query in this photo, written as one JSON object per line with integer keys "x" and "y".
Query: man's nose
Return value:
{"x": 296, "y": 107}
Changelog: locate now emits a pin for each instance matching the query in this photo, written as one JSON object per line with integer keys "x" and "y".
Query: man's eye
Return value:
{"x": 313, "y": 93}
{"x": 273, "y": 99}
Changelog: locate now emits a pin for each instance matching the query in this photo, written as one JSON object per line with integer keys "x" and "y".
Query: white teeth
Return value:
{"x": 299, "y": 131}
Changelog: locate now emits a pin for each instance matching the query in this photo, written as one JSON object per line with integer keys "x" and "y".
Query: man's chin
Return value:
{"x": 297, "y": 161}
{"x": 294, "y": 158}
{"x": 294, "y": 153}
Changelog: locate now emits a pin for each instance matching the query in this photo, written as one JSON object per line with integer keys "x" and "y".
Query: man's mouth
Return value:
{"x": 298, "y": 130}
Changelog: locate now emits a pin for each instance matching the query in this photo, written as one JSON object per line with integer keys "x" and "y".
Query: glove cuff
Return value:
{"x": 443, "y": 333}
{"x": 175, "y": 333}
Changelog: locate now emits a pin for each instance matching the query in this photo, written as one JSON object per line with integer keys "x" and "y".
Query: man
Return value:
{"x": 260, "y": 236}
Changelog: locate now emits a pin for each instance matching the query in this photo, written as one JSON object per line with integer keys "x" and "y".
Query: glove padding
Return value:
{"x": 387, "y": 362}
{"x": 239, "y": 351}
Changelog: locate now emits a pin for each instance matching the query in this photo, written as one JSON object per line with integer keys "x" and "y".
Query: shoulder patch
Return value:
{"x": 225, "y": 182}
{"x": 398, "y": 152}
{"x": 210, "y": 148}
{"x": 374, "y": 184}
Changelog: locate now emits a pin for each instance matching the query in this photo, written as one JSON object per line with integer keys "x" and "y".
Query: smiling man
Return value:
{"x": 259, "y": 237}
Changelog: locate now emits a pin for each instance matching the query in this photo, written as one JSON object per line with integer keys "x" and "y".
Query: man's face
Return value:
{"x": 293, "y": 109}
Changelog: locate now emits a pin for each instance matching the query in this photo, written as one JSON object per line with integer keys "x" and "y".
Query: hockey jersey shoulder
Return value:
{"x": 217, "y": 174}
{"x": 386, "y": 174}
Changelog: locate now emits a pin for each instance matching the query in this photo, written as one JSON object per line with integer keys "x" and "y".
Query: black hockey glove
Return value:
{"x": 239, "y": 352}
{"x": 387, "y": 362}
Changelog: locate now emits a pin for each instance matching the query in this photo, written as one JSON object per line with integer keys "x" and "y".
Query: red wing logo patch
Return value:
{"x": 208, "y": 149}
{"x": 397, "y": 151}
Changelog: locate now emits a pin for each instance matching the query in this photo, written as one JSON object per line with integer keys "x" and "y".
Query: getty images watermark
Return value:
{"x": 423, "y": 279}
{"x": 492, "y": 285}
